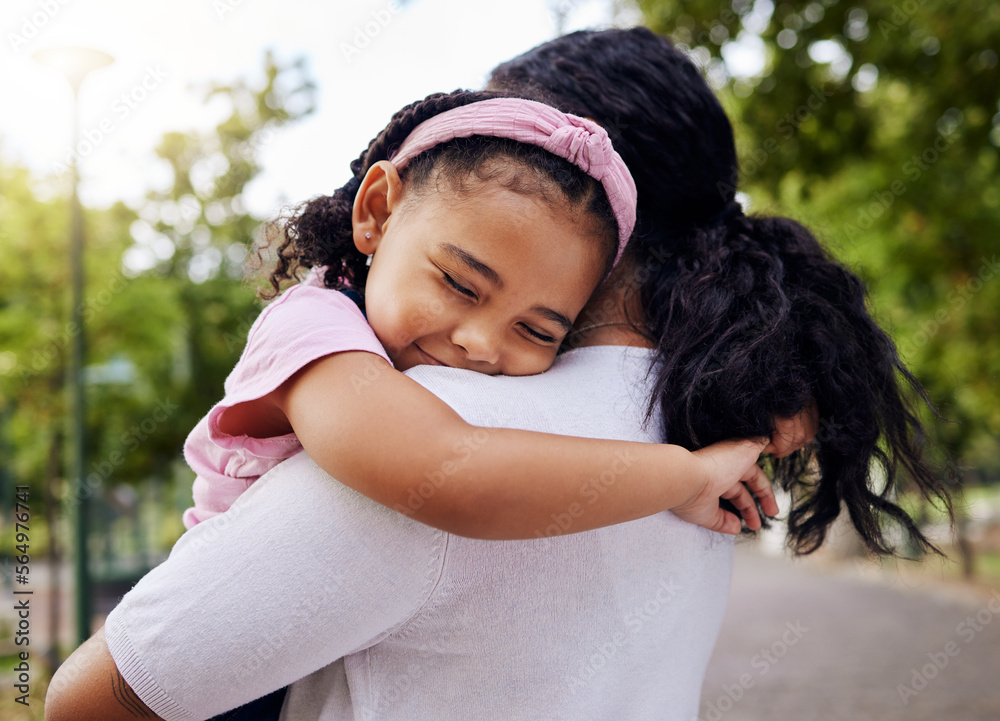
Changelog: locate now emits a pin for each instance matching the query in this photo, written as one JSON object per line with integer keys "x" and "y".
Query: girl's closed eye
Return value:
{"x": 539, "y": 336}
{"x": 458, "y": 287}
{"x": 542, "y": 337}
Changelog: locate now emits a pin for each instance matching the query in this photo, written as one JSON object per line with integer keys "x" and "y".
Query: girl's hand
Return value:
{"x": 730, "y": 472}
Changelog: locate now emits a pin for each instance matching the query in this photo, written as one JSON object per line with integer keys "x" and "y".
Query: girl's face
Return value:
{"x": 487, "y": 280}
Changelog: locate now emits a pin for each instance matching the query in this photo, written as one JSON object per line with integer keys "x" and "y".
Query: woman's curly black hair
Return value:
{"x": 750, "y": 316}
{"x": 318, "y": 232}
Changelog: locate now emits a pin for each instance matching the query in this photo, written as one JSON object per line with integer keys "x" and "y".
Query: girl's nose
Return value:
{"x": 481, "y": 343}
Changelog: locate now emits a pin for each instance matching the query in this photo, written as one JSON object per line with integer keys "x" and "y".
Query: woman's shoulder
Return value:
{"x": 628, "y": 364}
{"x": 601, "y": 392}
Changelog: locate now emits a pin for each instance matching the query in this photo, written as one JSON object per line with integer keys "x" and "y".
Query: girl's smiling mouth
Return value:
{"x": 428, "y": 358}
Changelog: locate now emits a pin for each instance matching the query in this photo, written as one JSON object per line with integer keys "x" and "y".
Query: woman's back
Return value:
{"x": 615, "y": 622}
{"x": 381, "y": 616}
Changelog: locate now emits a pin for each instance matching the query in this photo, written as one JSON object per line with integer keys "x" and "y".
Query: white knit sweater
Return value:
{"x": 384, "y": 618}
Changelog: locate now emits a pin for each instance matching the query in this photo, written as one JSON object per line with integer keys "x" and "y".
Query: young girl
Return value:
{"x": 487, "y": 223}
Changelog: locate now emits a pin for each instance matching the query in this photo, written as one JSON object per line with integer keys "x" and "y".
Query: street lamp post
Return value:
{"x": 75, "y": 64}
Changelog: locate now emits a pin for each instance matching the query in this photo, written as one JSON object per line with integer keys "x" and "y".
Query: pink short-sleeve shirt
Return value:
{"x": 306, "y": 323}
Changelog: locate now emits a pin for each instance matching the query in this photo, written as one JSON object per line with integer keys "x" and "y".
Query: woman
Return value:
{"x": 375, "y": 616}
{"x": 743, "y": 312}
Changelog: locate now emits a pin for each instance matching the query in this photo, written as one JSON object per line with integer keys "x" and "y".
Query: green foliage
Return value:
{"x": 166, "y": 310}
{"x": 877, "y": 125}
{"x": 201, "y": 217}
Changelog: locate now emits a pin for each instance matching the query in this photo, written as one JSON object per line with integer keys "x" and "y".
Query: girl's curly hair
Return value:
{"x": 750, "y": 316}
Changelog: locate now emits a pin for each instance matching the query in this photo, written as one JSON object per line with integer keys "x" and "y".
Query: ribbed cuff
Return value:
{"x": 131, "y": 668}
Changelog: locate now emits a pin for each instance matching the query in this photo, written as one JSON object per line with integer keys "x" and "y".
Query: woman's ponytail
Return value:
{"x": 751, "y": 319}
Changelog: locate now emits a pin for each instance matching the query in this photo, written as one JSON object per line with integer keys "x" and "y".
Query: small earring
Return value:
{"x": 369, "y": 261}
{"x": 368, "y": 236}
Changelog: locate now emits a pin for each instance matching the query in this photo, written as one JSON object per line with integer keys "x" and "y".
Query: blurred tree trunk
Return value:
{"x": 53, "y": 477}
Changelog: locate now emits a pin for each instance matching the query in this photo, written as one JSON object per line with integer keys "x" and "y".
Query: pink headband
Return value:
{"x": 578, "y": 140}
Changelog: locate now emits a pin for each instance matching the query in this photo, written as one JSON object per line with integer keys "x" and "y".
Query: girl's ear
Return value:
{"x": 377, "y": 198}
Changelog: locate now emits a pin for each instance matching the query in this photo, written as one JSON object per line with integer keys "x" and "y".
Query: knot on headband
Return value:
{"x": 578, "y": 140}
{"x": 581, "y": 146}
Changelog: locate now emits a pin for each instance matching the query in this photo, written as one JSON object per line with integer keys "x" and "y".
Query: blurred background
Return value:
{"x": 133, "y": 181}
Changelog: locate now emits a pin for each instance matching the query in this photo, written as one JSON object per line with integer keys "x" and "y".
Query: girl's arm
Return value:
{"x": 387, "y": 437}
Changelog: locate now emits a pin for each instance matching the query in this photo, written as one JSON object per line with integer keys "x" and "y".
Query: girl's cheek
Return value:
{"x": 535, "y": 362}
{"x": 427, "y": 316}
{"x": 380, "y": 318}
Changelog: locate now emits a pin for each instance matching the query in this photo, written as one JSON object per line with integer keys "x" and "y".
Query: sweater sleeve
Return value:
{"x": 232, "y": 614}
{"x": 306, "y": 323}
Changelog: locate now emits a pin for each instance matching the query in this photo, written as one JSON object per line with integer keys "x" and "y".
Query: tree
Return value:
{"x": 165, "y": 308}
{"x": 205, "y": 231}
{"x": 878, "y": 126}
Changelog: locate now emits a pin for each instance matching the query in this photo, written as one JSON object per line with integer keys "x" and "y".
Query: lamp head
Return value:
{"x": 73, "y": 63}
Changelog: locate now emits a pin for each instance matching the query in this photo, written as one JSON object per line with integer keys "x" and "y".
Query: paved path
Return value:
{"x": 802, "y": 642}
